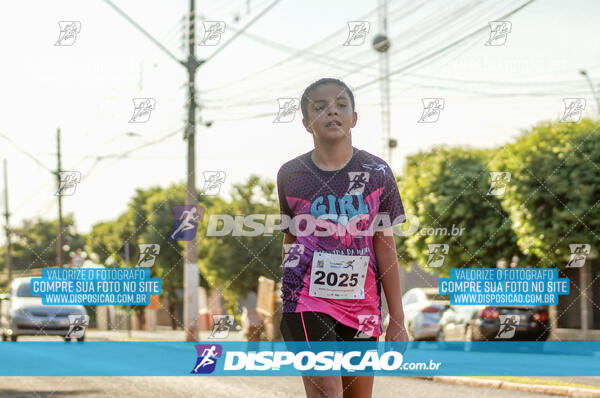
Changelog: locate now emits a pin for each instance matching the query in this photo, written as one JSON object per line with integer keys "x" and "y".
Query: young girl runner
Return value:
{"x": 336, "y": 265}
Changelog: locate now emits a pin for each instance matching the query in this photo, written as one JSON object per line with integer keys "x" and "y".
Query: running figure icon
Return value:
{"x": 207, "y": 354}
{"x": 186, "y": 222}
{"x": 207, "y": 358}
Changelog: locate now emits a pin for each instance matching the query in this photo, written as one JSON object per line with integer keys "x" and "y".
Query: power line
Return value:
{"x": 434, "y": 22}
{"x": 444, "y": 49}
{"x": 292, "y": 57}
{"x": 24, "y": 152}
{"x": 498, "y": 82}
{"x": 125, "y": 154}
{"x": 451, "y": 17}
{"x": 242, "y": 30}
{"x": 143, "y": 31}
{"x": 368, "y": 53}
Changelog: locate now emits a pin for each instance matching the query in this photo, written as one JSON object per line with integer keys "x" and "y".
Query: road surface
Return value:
{"x": 225, "y": 387}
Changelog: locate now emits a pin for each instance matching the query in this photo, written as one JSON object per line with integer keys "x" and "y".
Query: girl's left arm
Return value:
{"x": 387, "y": 260}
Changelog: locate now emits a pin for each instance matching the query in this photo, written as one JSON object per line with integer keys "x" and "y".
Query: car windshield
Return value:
{"x": 24, "y": 291}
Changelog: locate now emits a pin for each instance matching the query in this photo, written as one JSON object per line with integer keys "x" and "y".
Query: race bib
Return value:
{"x": 336, "y": 276}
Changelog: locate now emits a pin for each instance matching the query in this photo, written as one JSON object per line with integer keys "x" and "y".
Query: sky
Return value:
{"x": 86, "y": 89}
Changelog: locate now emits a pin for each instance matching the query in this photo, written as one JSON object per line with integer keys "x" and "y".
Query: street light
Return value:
{"x": 584, "y": 73}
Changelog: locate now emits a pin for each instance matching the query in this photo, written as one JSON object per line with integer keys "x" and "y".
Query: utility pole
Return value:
{"x": 7, "y": 226}
{"x": 126, "y": 246}
{"x": 190, "y": 272}
{"x": 59, "y": 236}
{"x": 384, "y": 71}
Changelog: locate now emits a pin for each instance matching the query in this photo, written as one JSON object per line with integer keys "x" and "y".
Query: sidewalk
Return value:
{"x": 541, "y": 385}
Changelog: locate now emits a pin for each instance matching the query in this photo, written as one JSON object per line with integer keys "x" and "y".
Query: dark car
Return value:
{"x": 494, "y": 323}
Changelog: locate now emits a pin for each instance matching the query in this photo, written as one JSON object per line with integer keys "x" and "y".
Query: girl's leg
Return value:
{"x": 308, "y": 327}
{"x": 323, "y": 387}
{"x": 357, "y": 386}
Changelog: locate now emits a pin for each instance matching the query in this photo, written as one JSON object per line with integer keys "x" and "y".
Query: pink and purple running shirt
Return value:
{"x": 339, "y": 204}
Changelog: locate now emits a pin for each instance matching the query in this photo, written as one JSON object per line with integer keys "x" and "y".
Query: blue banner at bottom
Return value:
{"x": 227, "y": 358}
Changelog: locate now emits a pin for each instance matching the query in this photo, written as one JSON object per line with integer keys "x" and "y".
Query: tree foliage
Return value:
{"x": 448, "y": 188}
{"x": 553, "y": 196}
{"x": 34, "y": 243}
{"x": 233, "y": 264}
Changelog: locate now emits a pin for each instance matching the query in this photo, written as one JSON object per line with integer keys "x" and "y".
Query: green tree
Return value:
{"x": 553, "y": 196}
{"x": 158, "y": 214}
{"x": 106, "y": 239}
{"x": 34, "y": 243}
{"x": 233, "y": 264}
{"x": 148, "y": 219}
{"x": 446, "y": 187}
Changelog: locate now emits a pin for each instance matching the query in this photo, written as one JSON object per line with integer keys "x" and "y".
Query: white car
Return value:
{"x": 423, "y": 308}
{"x": 22, "y": 313}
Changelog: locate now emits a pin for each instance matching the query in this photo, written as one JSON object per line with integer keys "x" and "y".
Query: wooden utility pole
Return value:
{"x": 59, "y": 232}
{"x": 7, "y": 226}
{"x": 126, "y": 249}
{"x": 190, "y": 273}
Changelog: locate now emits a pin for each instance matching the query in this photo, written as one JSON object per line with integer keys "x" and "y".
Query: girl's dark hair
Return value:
{"x": 327, "y": 80}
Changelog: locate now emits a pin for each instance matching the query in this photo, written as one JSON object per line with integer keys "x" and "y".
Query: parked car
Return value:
{"x": 22, "y": 313}
{"x": 423, "y": 308}
{"x": 482, "y": 323}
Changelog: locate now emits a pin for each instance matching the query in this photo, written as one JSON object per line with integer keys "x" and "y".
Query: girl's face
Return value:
{"x": 330, "y": 114}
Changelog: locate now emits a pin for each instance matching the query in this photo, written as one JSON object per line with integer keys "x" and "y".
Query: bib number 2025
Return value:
{"x": 332, "y": 279}
{"x": 336, "y": 276}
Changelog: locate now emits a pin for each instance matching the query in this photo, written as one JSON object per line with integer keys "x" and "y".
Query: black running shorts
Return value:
{"x": 317, "y": 326}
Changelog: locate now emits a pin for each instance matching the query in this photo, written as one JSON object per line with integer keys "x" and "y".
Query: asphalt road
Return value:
{"x": 225, "y": 387}
{"x": 222, "y": 387}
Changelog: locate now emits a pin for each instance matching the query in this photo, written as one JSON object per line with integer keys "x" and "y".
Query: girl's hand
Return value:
{"x": 396, "y": 336}
{"x": 396, "y": 331}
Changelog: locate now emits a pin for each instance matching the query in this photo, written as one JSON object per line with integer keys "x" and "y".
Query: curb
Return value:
{"x": 508, "y": 385}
